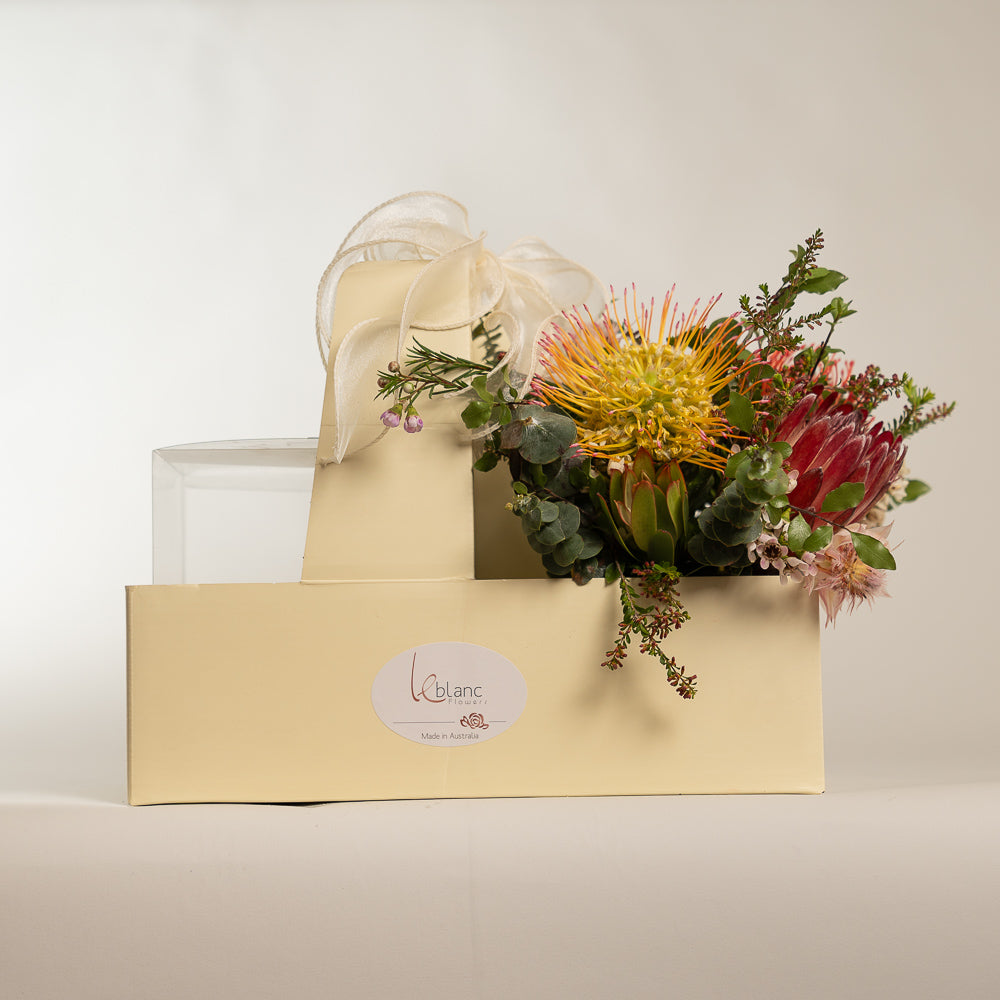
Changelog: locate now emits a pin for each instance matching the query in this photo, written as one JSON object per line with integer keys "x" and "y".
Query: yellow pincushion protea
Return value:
{"x": 627, "y": 389}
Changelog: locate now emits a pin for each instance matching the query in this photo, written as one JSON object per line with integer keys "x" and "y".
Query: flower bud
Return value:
{"x": 392, "y": 417}
{"x": 393, "y": 366}
{"x": 412, "y": 424}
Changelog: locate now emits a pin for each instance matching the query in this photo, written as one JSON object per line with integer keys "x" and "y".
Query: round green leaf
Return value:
{"x": 476, "y": 413}
{"x": 740, "y": 412}
{"x": 798, "y": 533}
{"x": 872, "y": 552}
{"x": 569, "y": 518}
{"x": 549, "y": 510}
{"x": 844, "y": 497}
{"x": 819, "y": 539}
{"x": 565, "y": 553}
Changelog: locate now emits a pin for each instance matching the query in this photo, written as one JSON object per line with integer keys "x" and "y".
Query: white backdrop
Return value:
{"x": 176, "y": 176}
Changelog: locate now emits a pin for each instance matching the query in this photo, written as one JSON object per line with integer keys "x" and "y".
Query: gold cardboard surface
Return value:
{"x": 401, "y": 509}
{"x": 262, "y": 692}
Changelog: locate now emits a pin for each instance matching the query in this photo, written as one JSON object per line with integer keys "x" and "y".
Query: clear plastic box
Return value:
{"x": 231, "y": 511}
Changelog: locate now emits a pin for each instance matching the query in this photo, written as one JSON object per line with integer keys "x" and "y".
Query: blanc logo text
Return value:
{"x": 438, "y": 691}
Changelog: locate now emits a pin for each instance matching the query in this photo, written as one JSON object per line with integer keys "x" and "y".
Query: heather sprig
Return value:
{"x": 915, "y": 415}
{"x": 428, "y": 371}
{"x": 431, "y": 373}
{"x": 650, "y": 613}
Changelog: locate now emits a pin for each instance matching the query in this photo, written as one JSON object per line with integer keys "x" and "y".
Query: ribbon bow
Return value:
{"x": 522, "y": 290}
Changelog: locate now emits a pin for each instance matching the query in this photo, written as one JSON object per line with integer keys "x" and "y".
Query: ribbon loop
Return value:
{"x": 523, "y": 289}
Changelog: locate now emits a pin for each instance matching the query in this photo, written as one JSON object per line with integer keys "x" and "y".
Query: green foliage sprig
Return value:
{"x": 489, "y": 339}
{"x": 736, "y": 518}
{"x": 428, "y": 372}
{"x": 915, "y": 415}
{"x": 650, "y": 613}
{"x": 803, "y": 537}
{"x": 768, "y": 316}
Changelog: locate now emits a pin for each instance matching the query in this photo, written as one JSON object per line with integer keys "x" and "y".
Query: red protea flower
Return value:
{"x": 833, "y": 443}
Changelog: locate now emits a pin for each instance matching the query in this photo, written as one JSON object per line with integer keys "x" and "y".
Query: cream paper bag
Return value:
{"x": 402, "y": 507}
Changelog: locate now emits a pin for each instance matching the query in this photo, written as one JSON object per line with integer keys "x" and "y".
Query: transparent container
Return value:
{"x": 231, "y": 511}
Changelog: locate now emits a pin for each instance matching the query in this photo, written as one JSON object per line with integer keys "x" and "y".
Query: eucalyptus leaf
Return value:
{"x": 548, "y": 510}
{"x": 552, "y": 533}
{"x": 566, "y": 553}
{"x": 710, "y": 552}
{"x": 545, "y": 436}
{"x": 531, "y": 520}
{"x": 511, "y": 435}
{"x": 553, "y": 567}
{"x": 735, "y": 461}
{"x": 561, "y": 479}
{"x": 592, "y": 543}
{"x": 579, "y": 476}
{"x": 584, "y": 570}
{"x": 538, "y": 546}
{"x": 569, "y": 518}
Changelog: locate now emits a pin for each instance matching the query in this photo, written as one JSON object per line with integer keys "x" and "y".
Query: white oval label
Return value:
{"x": 449, "y": 694}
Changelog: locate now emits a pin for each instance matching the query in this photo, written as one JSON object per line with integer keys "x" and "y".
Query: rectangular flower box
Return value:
{"x": 417, "y": 660}
{"x": 263, "y": 692}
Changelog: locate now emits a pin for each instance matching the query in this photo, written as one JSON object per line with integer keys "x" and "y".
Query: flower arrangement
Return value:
{"x": 650, "y": 444}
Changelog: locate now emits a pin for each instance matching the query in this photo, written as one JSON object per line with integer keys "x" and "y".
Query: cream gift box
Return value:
{"x": 355, "y": 685}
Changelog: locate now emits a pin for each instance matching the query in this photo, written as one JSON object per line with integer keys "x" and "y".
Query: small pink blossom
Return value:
{"x": 768, "y": 551}
{"x": 391, "y": 417}
{"x": 413, "y": 424}
{"x": 840, "y": 577}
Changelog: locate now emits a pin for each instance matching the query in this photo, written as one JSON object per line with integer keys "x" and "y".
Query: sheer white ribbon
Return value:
{"x": 522, "y": 290}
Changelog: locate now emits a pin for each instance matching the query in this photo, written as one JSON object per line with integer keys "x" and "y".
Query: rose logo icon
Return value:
{"x": 474, "y": 720}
